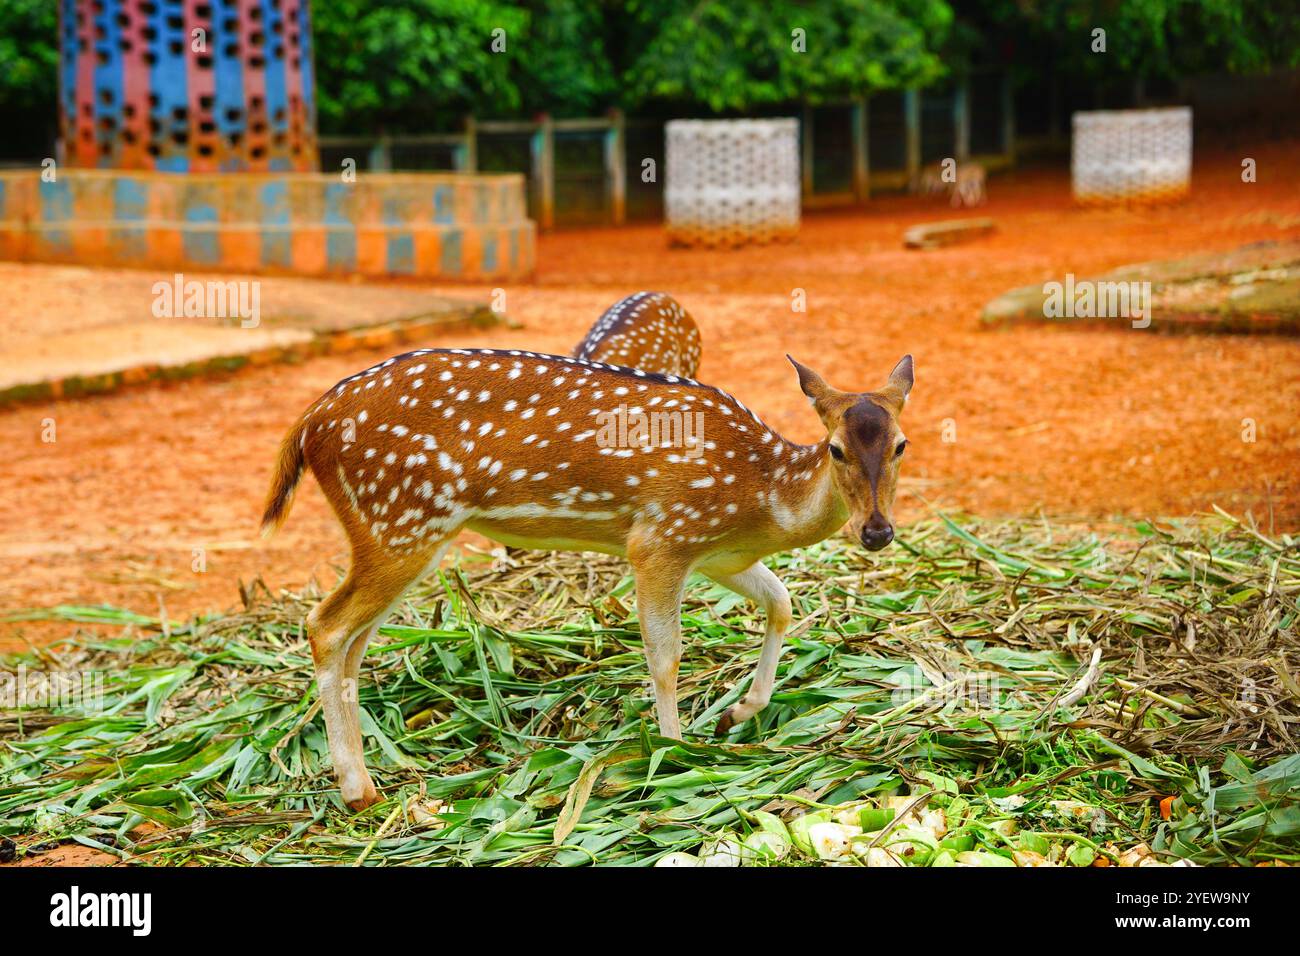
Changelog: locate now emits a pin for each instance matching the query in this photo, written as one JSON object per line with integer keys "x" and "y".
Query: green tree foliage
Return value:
{"x": 417, "y": 64}
{"x": 560, "y": 63}
{"x": 412, "y": 64}
{"x": 741, "y": 54}
{"x": 29, "y": 54}
{"x": 1165, "y": 38}
{"x": 420, "y": 64}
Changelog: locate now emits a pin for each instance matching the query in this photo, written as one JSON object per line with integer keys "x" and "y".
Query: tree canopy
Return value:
{"x": 420, "y": 64}
{"x": 1154, "y": 38}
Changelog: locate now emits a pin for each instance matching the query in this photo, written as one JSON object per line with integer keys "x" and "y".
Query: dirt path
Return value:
{"x": 1078, "y": 423}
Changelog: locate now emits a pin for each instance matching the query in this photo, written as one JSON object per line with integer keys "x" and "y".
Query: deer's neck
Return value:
{"x": 807, "y": 510}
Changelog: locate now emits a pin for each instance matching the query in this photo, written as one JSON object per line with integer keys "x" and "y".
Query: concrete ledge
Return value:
{"x": 298, "y": 348}
{"x": 74, "y": 343}
{"x": 1251, "y": 289}
{"x": 431, "y": 226}
{"x": 949, "y": 232}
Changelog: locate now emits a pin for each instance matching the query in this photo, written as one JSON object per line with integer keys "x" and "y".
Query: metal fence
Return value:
{"x": 608, "y": 169}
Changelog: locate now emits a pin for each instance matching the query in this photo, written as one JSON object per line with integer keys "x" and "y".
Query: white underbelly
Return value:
{"x": 499, "y": 533}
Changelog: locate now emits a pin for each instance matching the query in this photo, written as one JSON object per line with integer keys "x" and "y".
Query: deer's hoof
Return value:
{"x": 368, "y": 797}
{"x": 725, "y": 723}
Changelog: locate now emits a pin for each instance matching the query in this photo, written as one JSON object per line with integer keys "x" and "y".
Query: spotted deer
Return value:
{"x": 517, "y": 446}
{"x": 645, "y": 330}
{"x": 966, "y": 189}
{"x": 969, "y": 188}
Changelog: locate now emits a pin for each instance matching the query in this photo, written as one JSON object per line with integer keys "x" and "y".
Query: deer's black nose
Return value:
{"x": 873, "y": 539}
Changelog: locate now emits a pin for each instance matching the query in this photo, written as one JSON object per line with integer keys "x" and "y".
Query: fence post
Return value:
{"x": 380, "y": 159}
{"x": 616, "y": 166}
{"x": 1055, "y": 128}
{"x": 912, "y": 120}
{"x": 543, "y": 149}
{"x": 807, "y": 142}
{"x": 1008, "y": 119}
{"x": 961, "y": 119}
{"x": 861, "y": 156}
{"x": 467, "y": 152}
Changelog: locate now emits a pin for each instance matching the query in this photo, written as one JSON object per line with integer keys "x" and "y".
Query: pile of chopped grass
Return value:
{"x": 508, "y": 719}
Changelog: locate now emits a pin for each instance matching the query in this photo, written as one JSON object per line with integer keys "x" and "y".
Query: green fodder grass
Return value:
{"x": 508, "y": 721}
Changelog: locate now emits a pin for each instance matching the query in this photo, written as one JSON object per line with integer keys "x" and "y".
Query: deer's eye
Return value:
{"x": 837, "y": 452}
{"x": 902, "y": 445}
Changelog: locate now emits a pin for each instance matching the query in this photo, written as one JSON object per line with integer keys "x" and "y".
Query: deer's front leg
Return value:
{"x": 759, "y": 584}
{"x": 659, "y": 585}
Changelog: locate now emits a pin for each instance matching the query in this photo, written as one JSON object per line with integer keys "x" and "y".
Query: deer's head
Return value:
{"x": 866, "y": 447}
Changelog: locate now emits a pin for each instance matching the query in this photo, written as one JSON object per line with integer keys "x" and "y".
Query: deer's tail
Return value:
{"x": 288, "y": 471}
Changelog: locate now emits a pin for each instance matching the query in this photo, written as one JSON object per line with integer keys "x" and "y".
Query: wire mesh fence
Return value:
{"x": 729, "y": 182}
{"x": 607, "y": 169}
{"x": 1138, "y": 156}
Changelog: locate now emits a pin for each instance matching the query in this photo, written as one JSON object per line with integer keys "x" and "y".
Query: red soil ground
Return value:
{"x": 1079, "y": 423}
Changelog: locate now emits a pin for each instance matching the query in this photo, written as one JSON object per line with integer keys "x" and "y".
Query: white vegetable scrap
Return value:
{"x": 1137, "y": 856}
{"x": 981, "y": 858}
{"x": 725, "y": 853}
{"x": 914, "y": 845}
{"x": 898, "y": 805}
{"x": 1079, "y": 812}
{"x": 935, "y": 821}
{"x": 765, "y": 845}
{"x": 848, "y": 814}
{"x": 880, "y": 856}
{"x": 832, "y": 841}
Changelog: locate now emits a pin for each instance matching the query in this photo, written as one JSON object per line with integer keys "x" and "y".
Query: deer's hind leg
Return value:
{"x": 340, "y": 627}
{"x": 660, "y": 581}
{"x": 758, "y": 583}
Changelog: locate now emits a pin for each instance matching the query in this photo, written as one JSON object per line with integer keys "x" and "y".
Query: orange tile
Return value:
{"x": 308, "y": 251}
{"x": 372, "y": 252}
{"x": 164, "y": 245}
{"x": 428, "y": 252}
{"x": 241, "y": 250}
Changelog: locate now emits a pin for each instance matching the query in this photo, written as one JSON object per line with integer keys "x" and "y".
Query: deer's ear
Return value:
{"x": 900, "y": 381}
{"x": 812, "y": 384}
